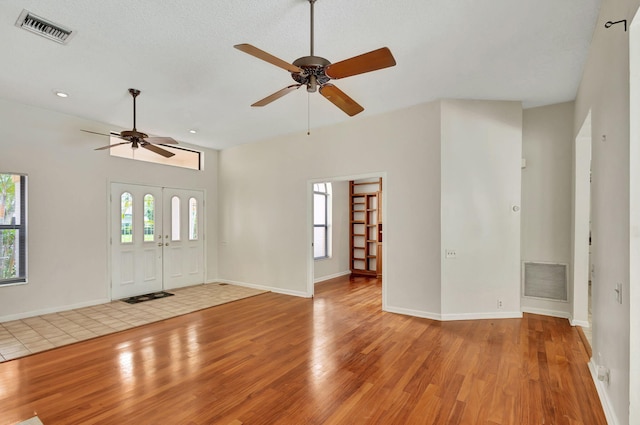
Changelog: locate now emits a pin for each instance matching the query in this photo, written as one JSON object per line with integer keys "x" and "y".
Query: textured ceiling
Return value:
{"x": 180, "y": 55}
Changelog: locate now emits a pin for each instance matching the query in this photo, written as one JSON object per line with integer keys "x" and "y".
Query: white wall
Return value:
{"x": 547, "y": 146}
{"x": 263, "y": 200}
{"x": 604, "y": 91}
{"x": 338, "y": 264}
{"x": 68, "y": 183}
{"x": 481, "y": 150}
{"x": 634, "y": 216}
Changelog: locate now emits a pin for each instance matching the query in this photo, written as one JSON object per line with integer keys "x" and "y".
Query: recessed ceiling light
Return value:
{"x": 193, "y": 131}
{"x": 61, "y": 93}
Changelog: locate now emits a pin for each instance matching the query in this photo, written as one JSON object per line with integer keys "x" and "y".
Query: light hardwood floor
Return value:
{"x": 22, "y": 337}
{"x": 336, "y": 359}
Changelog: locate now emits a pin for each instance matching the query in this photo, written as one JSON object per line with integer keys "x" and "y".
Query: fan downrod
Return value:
{"x": 312, "y": 65}
{"x": 134, "y": 132}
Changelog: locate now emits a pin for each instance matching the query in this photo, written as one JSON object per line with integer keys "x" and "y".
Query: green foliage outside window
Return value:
{"x": 8, "y": 242}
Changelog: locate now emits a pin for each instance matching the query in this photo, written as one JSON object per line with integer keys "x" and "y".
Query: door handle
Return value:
{"x": 167, "y": 244}
{"x": 160, "y": 244}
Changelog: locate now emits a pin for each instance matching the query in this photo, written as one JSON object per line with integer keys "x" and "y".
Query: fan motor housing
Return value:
{"x": 132, "y": 134}
{"x": 312, "y": 65}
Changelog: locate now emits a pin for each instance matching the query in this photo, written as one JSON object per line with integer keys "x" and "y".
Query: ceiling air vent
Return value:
{"x": 44, "y": 27}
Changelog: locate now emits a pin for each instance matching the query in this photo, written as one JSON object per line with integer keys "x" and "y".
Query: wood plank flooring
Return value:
{"x": 336, "y": 359}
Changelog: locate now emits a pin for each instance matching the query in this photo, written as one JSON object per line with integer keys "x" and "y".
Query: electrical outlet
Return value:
{"x": 499, "y": 304}
{"x": 449, "y": 253}
{"x": 604, "y": 374}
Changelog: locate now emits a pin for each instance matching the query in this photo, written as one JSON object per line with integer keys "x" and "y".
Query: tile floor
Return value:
{"x": 30, "y": 335}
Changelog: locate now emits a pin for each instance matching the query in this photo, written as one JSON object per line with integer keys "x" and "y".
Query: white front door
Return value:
{"x": 156, "y": 239}
{"x": 183, "y": 237}
{"x": 136, "y": 240}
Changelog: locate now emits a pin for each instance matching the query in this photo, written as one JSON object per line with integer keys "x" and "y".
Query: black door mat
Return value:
{"x": 147, "y": 297}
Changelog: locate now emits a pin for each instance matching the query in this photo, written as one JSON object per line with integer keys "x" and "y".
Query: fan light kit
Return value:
{"x": 136, "y": 138}
{"x": 315, "y": 72}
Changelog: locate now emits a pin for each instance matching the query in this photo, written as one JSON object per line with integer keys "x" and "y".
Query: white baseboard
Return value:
{"x": 612, "y": 419}
{"x": 547, "y": 312}
{"x": 557, "y": 313}
{"x": 50, "y": 310}
{"x": 452, "y": 317}
{"x": 581, "y": 323}
{"x": 266, "y": 288}
{"x": 482, "y": 316}
{"x": 415, "y": 313}
{"x": 331, "y": 276}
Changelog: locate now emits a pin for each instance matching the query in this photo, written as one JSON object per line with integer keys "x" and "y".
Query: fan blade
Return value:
{"x": 165, "y": 140}
{"x": 108, "y": 135}
{"x": 277, "y": 95}
{"x": 110, "y": 146}
{"x": 94, "y": 132}
{"x": 261, "y": 54}
{"x": 341, "y": 100}
{"x": 367, "y": 62}
{"x": 157, "y": 149}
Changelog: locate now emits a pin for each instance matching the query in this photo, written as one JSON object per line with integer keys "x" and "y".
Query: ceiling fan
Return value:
{"x": 315, "y": 71}
{"x": 136, "y": 138}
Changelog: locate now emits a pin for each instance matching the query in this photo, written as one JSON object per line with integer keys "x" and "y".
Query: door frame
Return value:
{"x": 109, "y": 226}
{"x": 310, "y": 260}
{"x": 580, "y": 247}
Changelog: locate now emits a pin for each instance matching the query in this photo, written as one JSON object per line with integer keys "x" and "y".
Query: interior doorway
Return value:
{"x": 365, "y": 227}
{"x": 340, "y": 223}
{"x": 156, "y": 239}
{"x": 582, "y": 265}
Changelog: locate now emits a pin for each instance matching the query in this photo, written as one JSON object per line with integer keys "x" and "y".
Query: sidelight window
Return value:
{"x": 321, "y": 220}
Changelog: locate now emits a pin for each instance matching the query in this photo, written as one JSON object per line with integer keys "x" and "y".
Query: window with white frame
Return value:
{"x": 182, "y": 157}
{"x": 13, "y": 228}
{"x": 321, "y": 220}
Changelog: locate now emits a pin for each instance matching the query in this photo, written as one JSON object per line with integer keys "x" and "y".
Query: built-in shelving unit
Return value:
{"x": 365, "y": 229}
